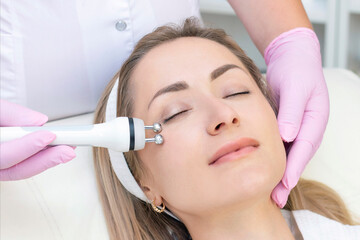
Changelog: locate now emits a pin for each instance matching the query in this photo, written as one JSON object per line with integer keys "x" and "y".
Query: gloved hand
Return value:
{"x": 28, "y": 156}
{"x": 295, "y": 74}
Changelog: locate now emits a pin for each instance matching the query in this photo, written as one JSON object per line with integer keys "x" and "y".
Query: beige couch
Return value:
{"x": 62, "y": 203}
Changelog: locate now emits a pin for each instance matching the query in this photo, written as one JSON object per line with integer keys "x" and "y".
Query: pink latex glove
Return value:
{"x": 295, "y": 74}
{"x": 27, "y": 156}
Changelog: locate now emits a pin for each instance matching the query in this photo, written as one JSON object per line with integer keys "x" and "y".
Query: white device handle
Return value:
{"x": 119, "y": 134}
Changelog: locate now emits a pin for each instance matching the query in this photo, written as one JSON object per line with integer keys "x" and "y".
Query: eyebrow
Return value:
{"x": 221, "y": 70}
{"x": 182, "y": 85}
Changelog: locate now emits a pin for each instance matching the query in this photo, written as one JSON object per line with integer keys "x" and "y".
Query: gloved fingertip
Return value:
{"x": 288, "y": 133}
{"x": 280, "y": 202}
{"x": 42, "y": 119}
{"x": 280, "y": 195}
{"x": 34, "y": 118}
{"x": 281, "y": 205}
{"x": 68, "y": 154}
{"x": 46, "y": 137}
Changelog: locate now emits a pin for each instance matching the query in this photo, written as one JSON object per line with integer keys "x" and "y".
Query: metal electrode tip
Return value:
{"x": 156, "y": 127}
{"x": 158, "y": 139}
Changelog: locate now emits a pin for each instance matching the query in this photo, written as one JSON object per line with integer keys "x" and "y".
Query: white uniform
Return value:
{"x": 58, "y": 56}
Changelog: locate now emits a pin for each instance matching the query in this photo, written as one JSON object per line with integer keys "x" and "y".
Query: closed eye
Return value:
{"x": 238, "y": 93}
{"x": 181, "y": 112}
{"x": 173, "y": 116}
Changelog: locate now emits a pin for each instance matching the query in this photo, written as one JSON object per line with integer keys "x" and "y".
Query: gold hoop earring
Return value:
{"x": 156, "y": 209}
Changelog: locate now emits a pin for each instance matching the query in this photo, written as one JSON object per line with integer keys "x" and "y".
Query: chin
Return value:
{"x": 252, "y": 184}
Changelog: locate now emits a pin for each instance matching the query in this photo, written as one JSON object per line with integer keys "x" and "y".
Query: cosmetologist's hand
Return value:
{"x": 295, "y": 74}
{"x": 27, "y": 156}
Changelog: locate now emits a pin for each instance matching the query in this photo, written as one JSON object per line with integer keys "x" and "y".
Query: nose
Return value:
{"x": 222, "y": 117}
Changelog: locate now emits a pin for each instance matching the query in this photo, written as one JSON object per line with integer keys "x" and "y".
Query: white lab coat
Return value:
{"x": 58, "y": 56}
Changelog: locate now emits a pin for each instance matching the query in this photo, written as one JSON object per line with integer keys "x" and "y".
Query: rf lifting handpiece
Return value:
{"x": 122, "y": 134}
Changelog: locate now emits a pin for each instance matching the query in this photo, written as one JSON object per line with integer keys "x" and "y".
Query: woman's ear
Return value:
{"x": 151, "y": 194}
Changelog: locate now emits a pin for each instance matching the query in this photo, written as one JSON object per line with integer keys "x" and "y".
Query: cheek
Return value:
{"x": 272, "y": 139}
{"x": 172, "y": 164}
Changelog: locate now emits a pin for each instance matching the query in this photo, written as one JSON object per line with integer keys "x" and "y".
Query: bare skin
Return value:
{"x": 228, "y": 201}
{"x": 264, "y": 20}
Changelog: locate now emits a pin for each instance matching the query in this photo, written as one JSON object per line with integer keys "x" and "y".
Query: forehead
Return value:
{"x": 184, "y": 57}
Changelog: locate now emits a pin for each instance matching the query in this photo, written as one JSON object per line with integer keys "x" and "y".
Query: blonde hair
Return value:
{"x": 129, "y": 218}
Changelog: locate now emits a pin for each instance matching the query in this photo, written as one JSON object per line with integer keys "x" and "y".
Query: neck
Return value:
{"x": 262, "y": 220}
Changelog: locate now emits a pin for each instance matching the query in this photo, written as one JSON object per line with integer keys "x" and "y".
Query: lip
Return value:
{"x": 234, "y": 149}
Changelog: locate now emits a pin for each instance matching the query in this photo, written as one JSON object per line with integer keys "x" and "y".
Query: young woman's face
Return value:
{"x": 208, "y": 105}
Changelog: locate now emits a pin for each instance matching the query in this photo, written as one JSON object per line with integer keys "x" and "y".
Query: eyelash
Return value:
{"x": 176, "y": 114}
{"x": 171, "y": 117}
{"x": 238, "y": 93}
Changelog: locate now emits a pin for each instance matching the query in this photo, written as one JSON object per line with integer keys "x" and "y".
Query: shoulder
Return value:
{"x": 313, "y": 225}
